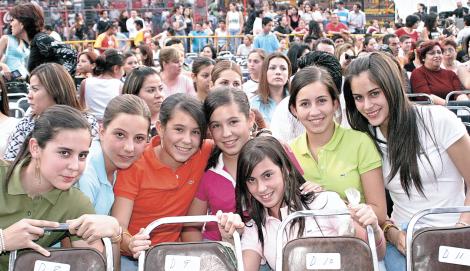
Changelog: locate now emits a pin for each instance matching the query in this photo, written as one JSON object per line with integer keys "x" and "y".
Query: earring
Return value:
{"x": 37, "y": 172}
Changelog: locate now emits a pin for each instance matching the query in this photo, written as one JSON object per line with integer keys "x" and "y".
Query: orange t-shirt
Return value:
{"x": 158, "y": 191}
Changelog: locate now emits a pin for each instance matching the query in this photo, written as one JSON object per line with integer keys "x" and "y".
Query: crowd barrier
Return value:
{"x": 212, "y": 39}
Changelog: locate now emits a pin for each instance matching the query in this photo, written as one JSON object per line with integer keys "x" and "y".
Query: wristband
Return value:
{"x": 124, "y": 247}
{"x": 387, "y": 227}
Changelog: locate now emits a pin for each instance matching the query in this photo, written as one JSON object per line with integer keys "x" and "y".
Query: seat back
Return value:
{"x": 23, "y": 104}
{"x": 420, "y": 98}
{"x": 14, "y": 97}
{"x": 342, "y": 253}
{"x": 84, "y": 259}
{"x": 455, "y": 92}
{"x": 17, "y": 87}
{"x": 16, "y": 112}
{"x": 317, "y": 253}
{"x": 192, "y": 256}
{"x": 431, "y": 246}
{"x": 438, "y": 248}
{"x": 463, "y": 113}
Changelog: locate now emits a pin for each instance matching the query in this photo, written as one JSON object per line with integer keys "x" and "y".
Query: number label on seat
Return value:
{"x": 454, "y": 255}
{"x": 50, "y": 266}
{"x": 182, "y": 263}
{"x": 330, "y": 261}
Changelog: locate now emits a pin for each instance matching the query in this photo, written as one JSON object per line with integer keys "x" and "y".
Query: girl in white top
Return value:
{"x": 234, "y": 21}
{"x": 255, "y": 62}
{"x": 174, "y": 81}
{"x": 425, "y": 148}
{"x": 245, "y": 48}
{"x": 307, "y": 15}
{"x": 96, "y": 92}
{"x": 268, "y": 189}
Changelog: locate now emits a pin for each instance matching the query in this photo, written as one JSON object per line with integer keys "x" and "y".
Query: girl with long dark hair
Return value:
{"x": 268, "y": 190}
{"x": 424, "y": 149}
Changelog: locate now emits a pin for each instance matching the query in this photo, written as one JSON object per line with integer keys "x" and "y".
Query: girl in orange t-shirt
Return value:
{"x": 163, "y": 182}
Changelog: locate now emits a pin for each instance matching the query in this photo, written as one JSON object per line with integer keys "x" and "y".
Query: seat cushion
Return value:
{"x": 426, "y": 243}
{"x": 213, "y": 255}
{"x": 355, "y": 253}
{"x": 83, "y": 259}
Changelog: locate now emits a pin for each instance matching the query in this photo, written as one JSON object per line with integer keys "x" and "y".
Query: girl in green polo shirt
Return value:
{"x": 331, "y": 156}
{"x": 37, "y": 188}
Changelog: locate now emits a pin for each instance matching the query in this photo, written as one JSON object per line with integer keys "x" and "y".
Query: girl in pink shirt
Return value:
{"x": 230, "y": 122}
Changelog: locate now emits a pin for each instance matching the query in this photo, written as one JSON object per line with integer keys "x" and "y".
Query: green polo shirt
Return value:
{"x": 341, "y": 161}
{"x": 56, "y": 205}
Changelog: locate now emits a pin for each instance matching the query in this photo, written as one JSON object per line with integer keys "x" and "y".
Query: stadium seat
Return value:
{"x": 23, "y": 104}
{"x": 463, "y": 113}
{"x": 16, "y": 112}
{"x": 315, "y": 253}
{"x": 83, "y": 259}
{"x": 438, "y": 248}
{"x": 14, "y": 97}
{"x": 457, "y": 92}
{"x": 201, "y": 256}
{"x": 420, "y": 98}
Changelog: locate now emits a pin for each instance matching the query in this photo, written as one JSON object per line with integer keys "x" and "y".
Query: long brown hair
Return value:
{"x": 263, "y": 88}
{"x": 58, "y": 83}
{"x": 404, "y": 147}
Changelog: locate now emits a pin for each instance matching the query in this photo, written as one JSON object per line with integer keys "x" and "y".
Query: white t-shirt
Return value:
{"x": 221, "y": 36}
{"x": 233, "y": 20}
{"x": 243, "y": 50}
{"x": 286, "y": 127}
{"x": 250, "y": 88}
{"x": 330, "y": 226}
{"x": 98, "y": 93}
{"x": 131, "y": 26}
{"x": 257, "y": 26}
{"x": 446, "y": 187}
{"x": 8, "y": 128}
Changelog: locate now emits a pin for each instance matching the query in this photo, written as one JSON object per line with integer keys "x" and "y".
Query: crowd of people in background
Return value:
{"x": 142, "y": 124}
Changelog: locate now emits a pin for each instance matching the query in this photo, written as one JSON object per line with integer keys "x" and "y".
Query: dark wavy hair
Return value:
{"x": 326, "y": 61}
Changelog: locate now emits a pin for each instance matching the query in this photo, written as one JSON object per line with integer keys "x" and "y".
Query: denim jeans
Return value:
{"x": 128, "y": 264}
{"x": 233, "y": 42}
{"x": 394, "y": 260}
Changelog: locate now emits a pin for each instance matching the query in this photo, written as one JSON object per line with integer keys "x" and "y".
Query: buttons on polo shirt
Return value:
{"x": 29, "y": 213}
{"x": 190, "y": 181}
{"x": 177, "y": 176}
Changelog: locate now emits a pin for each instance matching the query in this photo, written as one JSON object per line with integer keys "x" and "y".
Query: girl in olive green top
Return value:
{"x": 37, "y": 188}
{"x": 331, "y": 156}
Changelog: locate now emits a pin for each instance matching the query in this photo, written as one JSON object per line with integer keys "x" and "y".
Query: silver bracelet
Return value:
{"x": 463, "y": 224}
